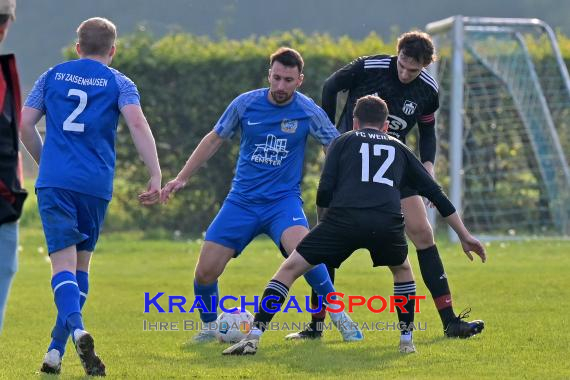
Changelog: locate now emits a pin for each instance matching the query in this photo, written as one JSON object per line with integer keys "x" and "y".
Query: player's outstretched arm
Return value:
{"x": 146, "y": 147}
{"x": 421, "y": 180}
{"x": 205, "y": 149}
{"x": 468, "y": 242}
{"x": 29, "y": 134}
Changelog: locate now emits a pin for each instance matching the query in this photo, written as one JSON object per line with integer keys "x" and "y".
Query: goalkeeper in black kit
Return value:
{"x": 412, "y": 98}
{"x": 359, "y": 201}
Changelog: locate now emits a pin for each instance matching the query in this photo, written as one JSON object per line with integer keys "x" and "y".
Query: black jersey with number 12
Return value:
{"x": 367, "y": 168}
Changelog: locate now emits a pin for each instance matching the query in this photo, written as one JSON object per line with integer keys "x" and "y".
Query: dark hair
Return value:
{"x": 4, "y": 18}
{"x": 96, "y": 36}
{"x": 417, "y": 45}
{"x": 287, "y": 57}
{"x": 371, "y": 110}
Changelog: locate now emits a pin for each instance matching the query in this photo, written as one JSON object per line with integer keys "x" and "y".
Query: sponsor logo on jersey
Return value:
{"x": 272, "y": 152}
{"x": 396, "y": 124}
{"x": 409, "y": 107}
{"x": 289, "y": 126}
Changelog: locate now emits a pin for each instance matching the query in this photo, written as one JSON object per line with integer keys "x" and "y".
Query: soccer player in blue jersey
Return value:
{"x": 82, "y": 100}
{"x": 265, "y": 197}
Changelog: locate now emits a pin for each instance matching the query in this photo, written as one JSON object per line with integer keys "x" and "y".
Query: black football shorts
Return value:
{"x": 344, "y": 230}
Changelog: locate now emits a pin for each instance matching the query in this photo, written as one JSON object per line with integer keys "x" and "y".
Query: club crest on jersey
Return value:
{"x": 409, "y": 107}
{"x": 289, "y": 126}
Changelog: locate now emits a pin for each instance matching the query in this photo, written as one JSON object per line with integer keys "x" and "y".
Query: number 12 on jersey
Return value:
{"x": 377, "y": 151}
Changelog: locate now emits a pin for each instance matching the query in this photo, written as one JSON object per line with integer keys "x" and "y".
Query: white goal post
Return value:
{"x": 504, "y": 125}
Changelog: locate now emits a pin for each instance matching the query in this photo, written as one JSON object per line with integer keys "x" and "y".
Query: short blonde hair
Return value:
{"x": 96, "y": 36}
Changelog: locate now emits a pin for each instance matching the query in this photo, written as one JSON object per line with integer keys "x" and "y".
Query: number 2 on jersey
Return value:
{"x": 377, "y": 151}
{"x": 69, "y": 124}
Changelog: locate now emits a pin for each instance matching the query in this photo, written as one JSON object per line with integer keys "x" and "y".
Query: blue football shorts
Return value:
{"x": 236, "y": 224}
{"x": 70, "y": 218}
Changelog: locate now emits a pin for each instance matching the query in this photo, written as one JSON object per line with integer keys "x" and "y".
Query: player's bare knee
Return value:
{"x": 402, "y": 272}
{"x": 63, "y": 265}
{"x": 205, "y": 276}
{"x": 83, "y": 260}
{"x": 402, "y": 268}
{"x": 420, "y": 234}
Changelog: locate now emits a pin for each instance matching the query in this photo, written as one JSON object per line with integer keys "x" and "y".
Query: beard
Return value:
{"x": 281, "y": 97}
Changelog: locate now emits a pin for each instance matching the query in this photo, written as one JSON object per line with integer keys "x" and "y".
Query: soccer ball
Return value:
{"x": 233, "y": 327}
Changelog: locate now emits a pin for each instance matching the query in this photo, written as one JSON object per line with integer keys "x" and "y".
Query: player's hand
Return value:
{"x": 470, "y": 244}
{"x": 170, "y": 188}
{"x": 152, "y": 194}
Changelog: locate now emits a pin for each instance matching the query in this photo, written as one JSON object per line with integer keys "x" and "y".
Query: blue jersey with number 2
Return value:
{"x": 81, "y": 100}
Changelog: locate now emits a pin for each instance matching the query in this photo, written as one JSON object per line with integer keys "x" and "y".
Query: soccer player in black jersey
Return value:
{"x": 360, "y": 189}
{"x": 412, "y": 98}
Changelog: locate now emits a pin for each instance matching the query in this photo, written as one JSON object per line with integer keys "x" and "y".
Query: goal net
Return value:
{"x": 503, "y": 125}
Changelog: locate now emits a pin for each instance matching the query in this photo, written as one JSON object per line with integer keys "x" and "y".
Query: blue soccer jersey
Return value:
{"x": 81, "y": 100}
{"x": 272, "y": 147}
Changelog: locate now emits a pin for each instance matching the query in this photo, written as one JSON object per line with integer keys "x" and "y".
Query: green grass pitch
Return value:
{"x": 522, "y": 294}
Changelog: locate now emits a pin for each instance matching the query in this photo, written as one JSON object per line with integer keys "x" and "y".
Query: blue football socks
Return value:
{"x": 207, "y": 293}
{"x": 66, "y": 296}
{"x": 60, "y": 333}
